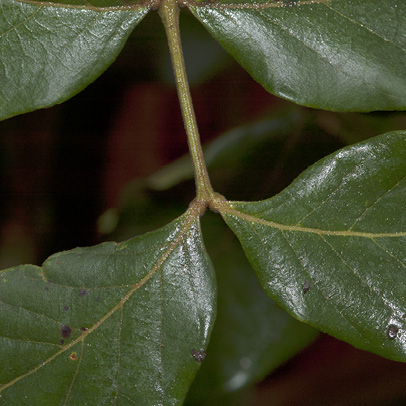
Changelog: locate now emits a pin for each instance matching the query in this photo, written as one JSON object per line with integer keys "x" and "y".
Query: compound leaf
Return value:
{"x": 345, "y": 55}
{"x": 114, "y": 323}
{"x": 51, "y": 51}
{"x": 331, "y": 248}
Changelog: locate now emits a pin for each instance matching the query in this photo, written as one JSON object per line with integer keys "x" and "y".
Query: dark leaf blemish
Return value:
{"x": 98, "y": 298}
{"x": 65, "y": 308}
{"x": 47, "y": 288}
{"x": 61, "y": 341}
{"x": 82, "y": 292}
{"x": 306, "y": 286}
{"x": 73, "y": 356}
{"x": 83, "y": 328}
{"x": 199, "y": 356}
{"x": 392, "y": 331}
{"x": 66, "y": 331}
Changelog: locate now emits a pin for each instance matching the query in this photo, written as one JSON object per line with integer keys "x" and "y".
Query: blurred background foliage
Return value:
{"x": 110, "y": 164}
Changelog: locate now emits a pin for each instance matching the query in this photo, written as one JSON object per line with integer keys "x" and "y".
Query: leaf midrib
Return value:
{"x": 254, "y": 6}
{"x": 229, "y": 210}
{"x": 327, "y": 298}
{"x": 154, "y": 4}
{"x": 190, "y": 217}
{"x": 151, "y": 4}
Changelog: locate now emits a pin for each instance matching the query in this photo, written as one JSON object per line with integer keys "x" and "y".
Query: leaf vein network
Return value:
{"x": 31, "y": 312}
{"x": 348, "y": 266}
{"x": 367, "y": 209}
{"x": 79, "y": 364}
{"x": 21, "y": 23}
{"x": 402, "y": 263}
{"x": 364, "y": 27}
{"x": 327, "y": 298}
{"x": 246, "y": 32}
{"x": 333, "y": 192}
{"x": 305, "y": 270}
{"x": 30, "y": 341}
{"x": 117, "y": 377}
{"x": 322, "y": 57}
{"x": 60, "y": 49}
{"x": 190, "y": 217}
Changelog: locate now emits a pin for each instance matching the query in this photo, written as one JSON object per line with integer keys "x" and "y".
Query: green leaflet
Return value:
{"x": 50, "y": 53}
{"x": 252, "y": 335}
{"x": 331, "y": 248}
{"x": 111, "y": 323}
{"x": 343, "y": 55}
{"x": 332, "y": 54}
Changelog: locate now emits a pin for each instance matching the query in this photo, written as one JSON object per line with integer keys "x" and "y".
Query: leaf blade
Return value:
{"x": 130, "y": 342}
{"x": 331, "y": 247}
{"x": 336, "y": 55}
{"x": 50, "y": 53}
{"x": 252, "y": 335}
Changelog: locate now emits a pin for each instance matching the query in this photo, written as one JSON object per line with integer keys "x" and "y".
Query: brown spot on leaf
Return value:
{"x": 82, "y": 292}
{"x": 62, "y": 342}
{"x": 66, "y": 331}
{"x": 393, "y": 331}
{"x": 306, "y": 286}
{"x": 47, "y": 288}
{"x": 65, "y": 308}
{"x": 199, "y": 356}
{"x": 98, "y": 298}
{"x": 83, "y": 328}
{"x": 73, "y": 356}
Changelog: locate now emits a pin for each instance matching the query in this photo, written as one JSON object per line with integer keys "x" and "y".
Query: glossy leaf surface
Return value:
{"x": 51, "y": 52}
{"x": 331, "y": 248}
{"x": 114, "y": 323}
{"x": 252, "y": 335}
{"x": 333, "y": 54}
